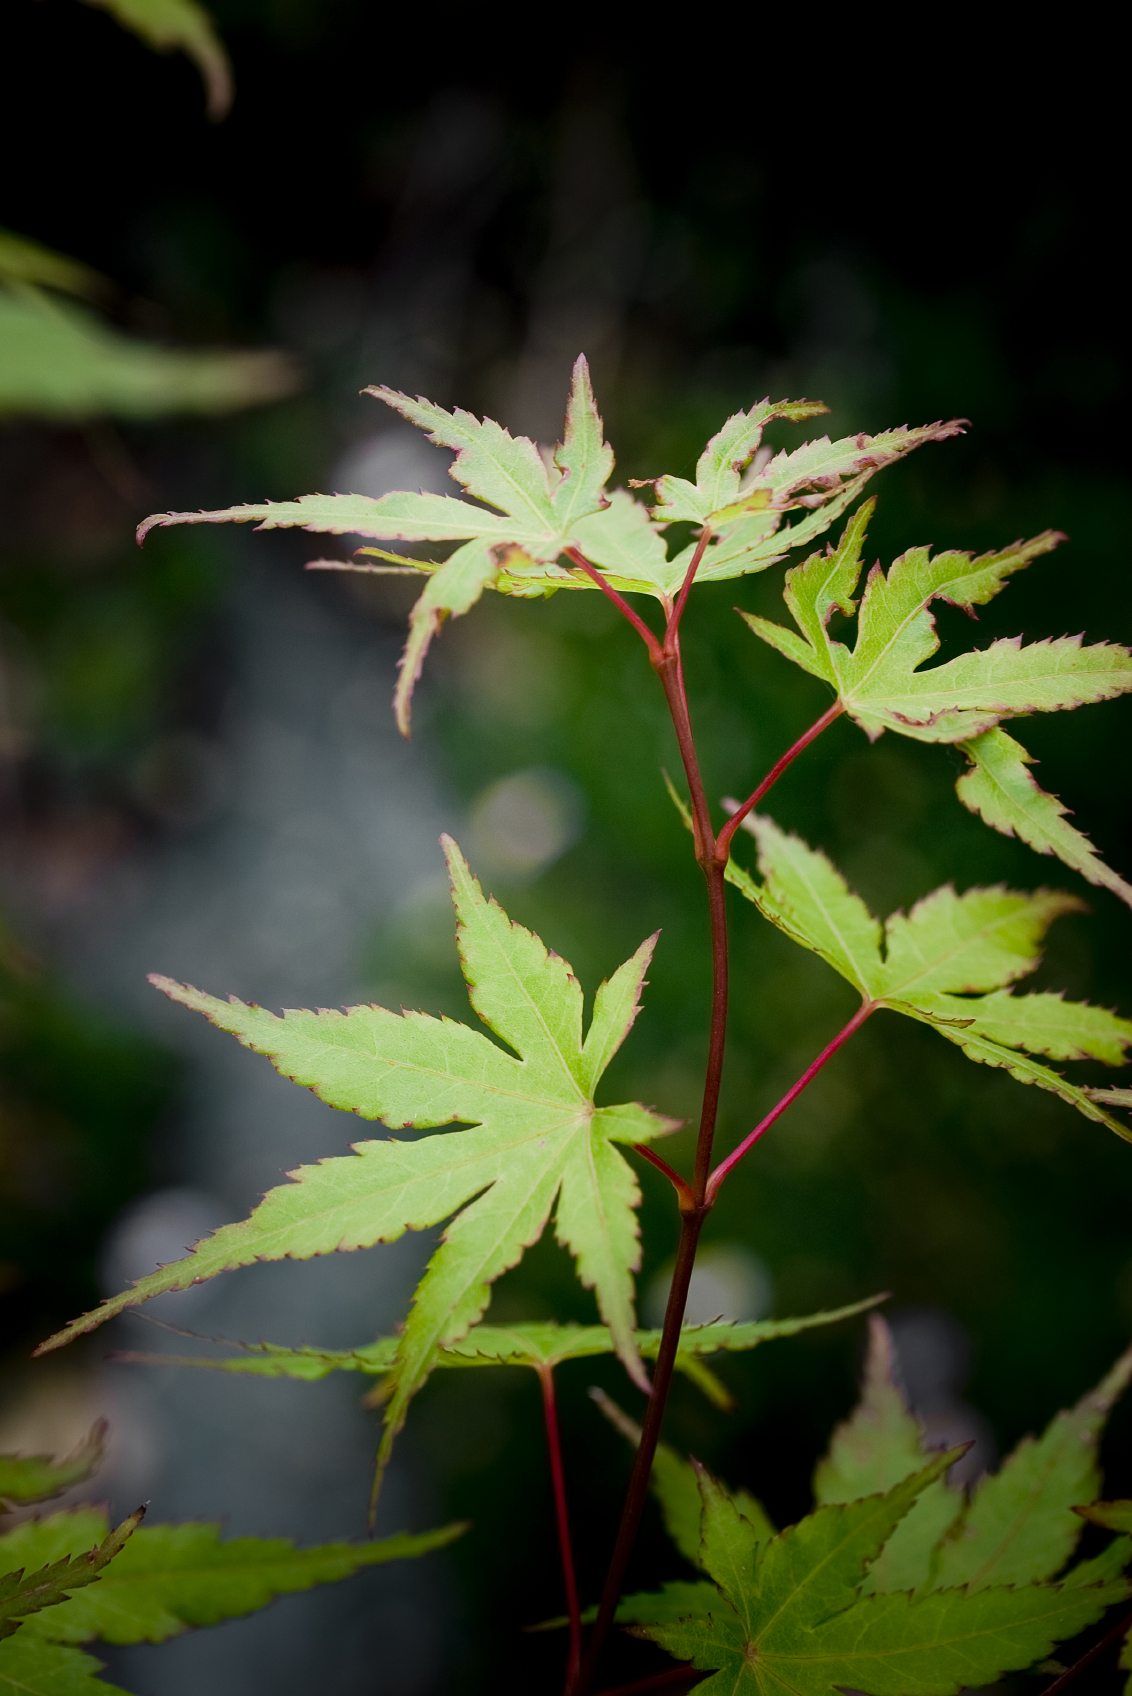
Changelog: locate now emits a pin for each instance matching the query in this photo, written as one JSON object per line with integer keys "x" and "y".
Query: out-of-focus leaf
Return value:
{"x": 36, "y": 1478}
{"x": 179, "y": 26}
{"x": 59, "y": 362}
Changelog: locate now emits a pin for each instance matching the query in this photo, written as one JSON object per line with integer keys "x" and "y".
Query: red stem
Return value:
{"x": 686, "y": 586}
{"x": 792, "y": 1094}
{"x": 674, "y": 1178}
{"x": 562, "y": 1517}
{"x": 611, "y": 594}
{"x": 723, "y": 842}
{"x": 671, "y": 1679}
{"x": 1119, "y": 1630}
{"x": 695, "y": 1199}
{"x": 695, "y": 1205}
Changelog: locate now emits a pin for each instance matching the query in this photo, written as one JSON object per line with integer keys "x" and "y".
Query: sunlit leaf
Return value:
{"x": 537, "y": 1144}
{"x": 948, "y": 963}
{"x": 881, "y": 684}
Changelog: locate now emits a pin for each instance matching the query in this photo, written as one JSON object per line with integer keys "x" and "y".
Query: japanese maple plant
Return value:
{"x": 898, "y": 1582}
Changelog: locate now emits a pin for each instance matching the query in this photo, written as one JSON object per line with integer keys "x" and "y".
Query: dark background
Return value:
{"x": 201, "y": 774}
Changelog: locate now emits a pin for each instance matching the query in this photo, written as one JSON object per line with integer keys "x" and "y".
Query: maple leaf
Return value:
{"x": 948, "y": 963}
{"x": 788, "y": 1613}
{"x": 536, "y": 1345}
{"x": 881, "y": 686}
{"x": 537, "y": 1143}
{"x": 532, "y": 511}
{"x": 1017, "y": 1526}
{"x": 743, "y": 493}
{"x": 528, "y": 510}
{"x": 880, "y": 1444}
{"x": 169, "y": 1578}
{"x": 29, "y": 1667}
{"x": 36, "y": 1478}
{"x": 46, "y": 1577}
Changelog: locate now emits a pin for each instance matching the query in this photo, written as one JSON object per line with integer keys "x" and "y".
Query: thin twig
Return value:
{"x": 671, "y": 1679}
{"x": 1119, "y": 1630}
{"x": 562, "y": 1518}
{"x": 654, "y": 1159}
{"x": 723, "y": 841}
{"x": 695, "y": 1206}
{"x": 686, "y": 587}
{"x": 792, "y": 1094}
{"x": 576, "y": 557}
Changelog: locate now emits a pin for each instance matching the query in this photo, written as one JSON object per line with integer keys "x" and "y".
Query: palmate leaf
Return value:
{"x": 788, "y": 1613}
{"x": 536, "y": 1345}
{"x": 47, "y": 1577}
{"x": 169, "y": 1578}
{"x": 36, "y": 1478}
{"x": 1017, "y": 1526}
{"x": 537, "y": 1142}
{"x": 881, "y": 686}
{"x": 947, "y": 963}
{"x": 880, "y": 1444}
{"x": 743, "y": 494}
{"x": 897, "y": 1584}
{"x": 529, "y": 510}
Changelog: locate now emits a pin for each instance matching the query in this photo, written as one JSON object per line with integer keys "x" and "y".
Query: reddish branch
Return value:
{"x": 619, "y": 601}
{"x": 791, "y": 1096}
{"x": 1118, "y": 1631}
{"x": 723, "y": 844}
{"x": 562, "y": 1516}
{"x": 695, "y": 1198}
{"x": 658, "y": 1160}
{"x": 674, "y": 1678}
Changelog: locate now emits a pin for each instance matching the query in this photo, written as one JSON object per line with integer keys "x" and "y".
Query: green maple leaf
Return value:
{"x": 1017, "y": 1526}
{"x": 30, "y": 1667}
{"x": 36, "y": 1478}
{"x": 878, "y": 1446}
{"x": 532, "y": 510}
{"x": 787, "y": 1614}
{"x": 948, "y": 963}
{"x": 169, "y": 1578}
{"x": 881, "y": 684}
{"x": 1000, "y": 787}
{"x": 742, "y": 493}
{"x": 537, "y": 1345}
{"x": 527, "y": 509}
{"x": 46, "y": 1577}
{"x": 537, "y": 1143}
